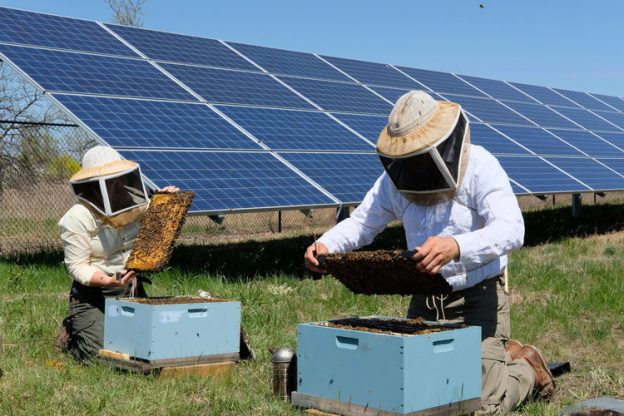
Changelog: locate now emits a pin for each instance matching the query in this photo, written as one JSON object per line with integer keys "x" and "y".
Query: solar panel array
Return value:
{"x": 249, "y": 127}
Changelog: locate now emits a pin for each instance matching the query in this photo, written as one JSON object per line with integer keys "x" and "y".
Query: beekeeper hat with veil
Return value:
{"x": 110, "y": 186}
{"x": 425, "y": 147}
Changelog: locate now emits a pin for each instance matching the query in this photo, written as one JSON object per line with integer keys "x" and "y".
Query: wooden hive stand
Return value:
{"x": 209, "y": 365}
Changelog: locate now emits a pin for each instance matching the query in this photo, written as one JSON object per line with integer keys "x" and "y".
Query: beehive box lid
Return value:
{"x": 159, "y": 228}
{"x": 383, "y": 272}
{"x": 173, "y": 300}
{"x": 393, "y": 326}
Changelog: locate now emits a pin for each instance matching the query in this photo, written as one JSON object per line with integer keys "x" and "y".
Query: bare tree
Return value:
{"x": 127, "y": 12}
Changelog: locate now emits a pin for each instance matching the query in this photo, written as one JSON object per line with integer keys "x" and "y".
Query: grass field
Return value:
{"x": 566, "y": 299}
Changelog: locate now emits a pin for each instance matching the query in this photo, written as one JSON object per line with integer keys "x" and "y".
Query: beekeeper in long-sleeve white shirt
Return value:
{"x": 462, "y": 218}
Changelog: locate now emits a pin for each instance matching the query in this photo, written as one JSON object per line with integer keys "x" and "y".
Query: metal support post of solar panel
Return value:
{"x": 251, "y": 128}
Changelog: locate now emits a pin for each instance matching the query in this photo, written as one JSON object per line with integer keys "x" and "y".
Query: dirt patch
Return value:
{"x": 389, "y": 326}
{"x": 158, "y": 231}
{"x": 173, "y": 300}
{"x": 383, "y": 272}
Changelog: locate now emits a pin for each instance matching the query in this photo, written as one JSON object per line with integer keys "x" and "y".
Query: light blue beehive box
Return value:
{"x": 172, "y": 330}
{"x": 398, "y": 374}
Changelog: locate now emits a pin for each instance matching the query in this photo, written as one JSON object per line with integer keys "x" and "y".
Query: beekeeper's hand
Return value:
{"x": 119, "y": 279}
{"x": 171, "y": 189}
{"x": 435, "y": 253}
{"x": 311, "y": 254}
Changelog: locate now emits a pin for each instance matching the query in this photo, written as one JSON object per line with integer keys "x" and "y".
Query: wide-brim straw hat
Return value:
{"x": 102, "y": 161}
{"x": 416, "y": 124}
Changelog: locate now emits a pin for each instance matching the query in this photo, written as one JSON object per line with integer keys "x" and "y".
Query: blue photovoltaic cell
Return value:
{"x": 612, "y": 117}
{"x": 488, "y": 110}
{"x": 294, "y": 130}
{"x": 584, "y": 100}
{"x": 614, "y": 138}
{"x": 586, "y": 119}
{"x": 58, "y": 32}
{"x": 235, "y": 87}
{"x": 588, "y": 143}
{"x": 442, "y": 82}
{"x": 615, "y": 164}
{"x": 590, "y": 172}
{"x": 172, "y": 47}
{"x": 538, "y": 176}
{"x": 373, "y": 73}
{"x": 517, "y": 189}
{"x": 280, "y": 61}
{"x": 225, "y": 181}
{"x": 615, "y": 102}
{"x": 346, "y": 176}
{"x": 541, "y": 115}
{"x": 538, "y": 141}
{"x": 494, "y": 142}
{"x": 82, "y": 73}
{"x": 367, "y": 126}
{"x": 497, "y": 89}
{"x": 390, "y": 94}
{"x": 145, "y": 124}
{"x": 339, "y": 96}
{"x": 544, "y": 95}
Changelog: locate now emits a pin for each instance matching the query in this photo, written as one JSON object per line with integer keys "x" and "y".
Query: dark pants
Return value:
{"x": 505, "y": 383}
{"x": 85, "y": 321}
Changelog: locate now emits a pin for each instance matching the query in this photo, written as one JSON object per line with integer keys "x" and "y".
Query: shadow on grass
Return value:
{"x": 255, "y": 259}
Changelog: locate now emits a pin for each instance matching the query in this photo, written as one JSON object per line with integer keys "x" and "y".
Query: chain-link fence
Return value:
{"x": 36, "y": 162}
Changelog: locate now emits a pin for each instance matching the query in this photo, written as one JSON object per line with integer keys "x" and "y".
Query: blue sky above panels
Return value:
{"x": 533, "y": 42}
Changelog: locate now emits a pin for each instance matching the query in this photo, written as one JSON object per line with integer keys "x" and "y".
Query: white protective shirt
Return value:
{"x": 91, "y": 245}
{"x": 484, "y": 219}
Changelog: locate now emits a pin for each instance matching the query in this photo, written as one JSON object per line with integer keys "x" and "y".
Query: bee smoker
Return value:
{"x": 284, "y": 372}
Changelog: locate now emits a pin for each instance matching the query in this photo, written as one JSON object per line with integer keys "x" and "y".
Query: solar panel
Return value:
{"x": 584, "y": 100}
{"x": 498, "y": 89}
{"x": 537, "y": 176}
{"x": 544, "y": 95}
{"x": 390, "y": 94}
{"x": 441, "y": 82}
{"x": 125, "y": 123}
{"x": 615, "y": 102}
{"x": 615, "y": 164}
{"x": 590, "y": 172}
{"x": 280, "y": 61}
{"x": 367, "y": 126}
{"x": 228, "y": 181}
{"x": 588, "y": 143}
{"x": 95, "y": 74}
{"x": 538, "y": 140}
{"x": 586, "y": 119}
{"x": 295, "y": 130}
{"x": 541, "y": 115}
{"x": 488, "y": 110}
{"x": 45, "y": 30}
{"x": 495, "y": 142}
{"x": 339, "y": 96}
{"x": 235, "y": 87}
{"x": 612, "y": 117}
{"x": 616, "y": 139}
{"x": 162, "y": 46}
{"x": 373, "y": 73}
{"x": 346, "y": 176}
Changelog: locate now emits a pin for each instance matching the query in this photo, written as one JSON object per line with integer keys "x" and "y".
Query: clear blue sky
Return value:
{"x": 576, "y": 45}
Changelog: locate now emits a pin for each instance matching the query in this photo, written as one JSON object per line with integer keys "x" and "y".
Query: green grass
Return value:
{"x": 566, "y": 299}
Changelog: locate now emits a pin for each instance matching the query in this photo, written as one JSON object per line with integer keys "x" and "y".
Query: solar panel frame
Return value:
{"x": 50, "y": 31}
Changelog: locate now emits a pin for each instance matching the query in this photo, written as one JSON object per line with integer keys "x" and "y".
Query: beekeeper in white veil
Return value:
{"x": 462, "y": 218}
{"x": 98, "y": 233}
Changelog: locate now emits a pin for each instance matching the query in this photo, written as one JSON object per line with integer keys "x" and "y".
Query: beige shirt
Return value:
{"x": 91, "y": 246}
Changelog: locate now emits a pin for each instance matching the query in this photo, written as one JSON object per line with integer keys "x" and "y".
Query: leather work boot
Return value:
{"x": 513, "y": 348}
{"x": 544, "y": 380}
